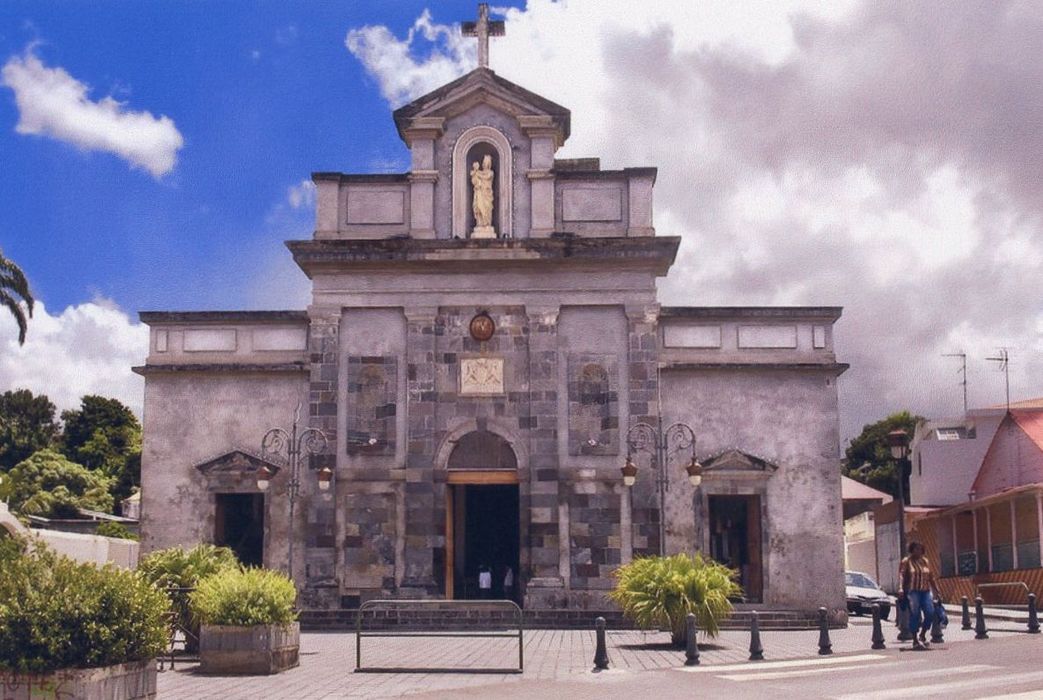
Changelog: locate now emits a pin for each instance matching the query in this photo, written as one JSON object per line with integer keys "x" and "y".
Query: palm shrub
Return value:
{"x": 58, "y": 613}
{"x": 178, "y": 568}
{"x": 245, "y": 597}
{"x": 661, "y": 591}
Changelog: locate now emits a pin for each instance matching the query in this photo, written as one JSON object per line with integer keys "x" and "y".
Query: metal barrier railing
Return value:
{"x": 371, "y": 609}
{"x": 1022, "y": 584}
{"x": 180, "y": 630}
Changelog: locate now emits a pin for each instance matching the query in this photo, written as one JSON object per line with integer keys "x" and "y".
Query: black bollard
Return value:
{"x": 601, "y": 650}
{"x": 691, "y": 641}
{"x": 904, "y": 635}
{"x": 980, "y": 632}
{"x": 878, "y": 633}
{"x": 756, "y": 650}
{"x": 936, "y": 624}
{"x": 966, "y": 613}
{"x": 1033, "y": 615}
{"x": 825, "y": 647}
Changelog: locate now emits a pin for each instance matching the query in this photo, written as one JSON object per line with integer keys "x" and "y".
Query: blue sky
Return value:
{"x": 878, "y": 155}
{"x": 263, "y": 93}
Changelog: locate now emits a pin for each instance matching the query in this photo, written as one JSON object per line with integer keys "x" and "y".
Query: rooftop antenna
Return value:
{"x": 963, "y": 371}
{"x": 1003, "y": 358}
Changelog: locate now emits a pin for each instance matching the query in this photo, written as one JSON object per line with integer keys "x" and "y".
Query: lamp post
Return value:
{"x": 288, "y": 447}
{"x": 898, "y": 441}
{"x": 661, "y": 445}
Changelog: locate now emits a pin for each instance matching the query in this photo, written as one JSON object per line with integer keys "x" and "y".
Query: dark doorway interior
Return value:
{"x": 735, "y": 540}
{"x": 486, "y": 534}
{"x": 239, "y": 524}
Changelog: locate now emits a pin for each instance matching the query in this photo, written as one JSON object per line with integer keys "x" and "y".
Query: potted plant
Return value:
{"x": 177, "y": 571}
{"x": 661, "y": 591}
{"x": 248, "y": 622}
{"x": 70, "y": 629}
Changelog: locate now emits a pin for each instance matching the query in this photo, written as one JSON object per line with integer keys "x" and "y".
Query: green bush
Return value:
{"x": 58, "y": 613}
{"x": 245, "y": 597}
{"x": 185, "y": 568}
{"x": 49, "y": 485}
{"x": 661, "y": 591}
{"x": 110, "y": 528}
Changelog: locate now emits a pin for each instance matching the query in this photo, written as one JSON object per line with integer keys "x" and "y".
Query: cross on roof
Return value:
{"x": 483, "y": 29}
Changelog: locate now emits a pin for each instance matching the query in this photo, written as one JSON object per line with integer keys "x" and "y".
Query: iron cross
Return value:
{"x": 483, "y": 29}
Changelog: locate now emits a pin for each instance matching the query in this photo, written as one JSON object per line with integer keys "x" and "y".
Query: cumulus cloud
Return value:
{"x": 883, "y": 156}
{"x": 85, "y": 349}
{"x": 52, "y": 103}
{"x": 301, "y": 195}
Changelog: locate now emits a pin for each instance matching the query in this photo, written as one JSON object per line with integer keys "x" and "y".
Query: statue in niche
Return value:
{"x": 482, "y": 199}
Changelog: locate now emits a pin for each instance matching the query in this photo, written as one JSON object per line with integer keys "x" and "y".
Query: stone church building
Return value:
{"x": 483, "y": 352}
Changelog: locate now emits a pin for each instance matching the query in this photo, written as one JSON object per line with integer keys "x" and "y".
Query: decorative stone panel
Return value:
{"x": 593, "y": 404}
{"x": 372, "y": 393}
{"x": 369, "y": 544}
{"x": 594, "y": 534}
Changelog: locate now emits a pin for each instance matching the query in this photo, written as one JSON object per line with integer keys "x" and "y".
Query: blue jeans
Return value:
{"x": 921, "y": 607}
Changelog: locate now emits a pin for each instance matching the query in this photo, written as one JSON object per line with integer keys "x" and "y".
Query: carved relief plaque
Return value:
{"x": 481, "y": 376}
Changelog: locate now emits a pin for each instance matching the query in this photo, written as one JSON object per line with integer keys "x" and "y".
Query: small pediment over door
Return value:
{"x": 736, "y": 463}
{"x": 234, "y": 471}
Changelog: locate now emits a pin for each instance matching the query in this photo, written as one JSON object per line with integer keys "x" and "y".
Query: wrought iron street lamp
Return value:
{"x": 288, "y": 447}
{"x": 898, "y": 441}
{"x": 661, "y": 445}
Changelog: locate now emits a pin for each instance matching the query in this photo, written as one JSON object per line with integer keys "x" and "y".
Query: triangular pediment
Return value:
{"x": 237, "y": 461}
{"x": 735, "y": 460}
{"x": 483, "y": 86}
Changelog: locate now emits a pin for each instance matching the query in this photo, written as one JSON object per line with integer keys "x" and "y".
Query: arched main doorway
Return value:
{"x": 482, "y": 517}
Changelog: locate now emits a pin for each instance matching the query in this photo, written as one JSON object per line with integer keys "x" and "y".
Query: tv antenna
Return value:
{"x": 1003, "y": 358}
{"x": 963, "y": 371}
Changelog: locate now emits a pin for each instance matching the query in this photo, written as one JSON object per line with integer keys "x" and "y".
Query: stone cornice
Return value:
{"x": 287, "y": 316}
{"x": 223, "y": 367}
{"x": 834, "y": 368}
{"x": 652, "y": 254}
{"x": 746, "y": 313}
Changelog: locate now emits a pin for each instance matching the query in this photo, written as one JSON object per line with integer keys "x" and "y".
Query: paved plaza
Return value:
{"x": 552, "y": 657}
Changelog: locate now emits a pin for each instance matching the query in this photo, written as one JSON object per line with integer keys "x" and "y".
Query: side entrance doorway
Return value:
{"x": 736, "y": 541}
{"x": 483, "y": 535}
{"x": 239, "y": 525}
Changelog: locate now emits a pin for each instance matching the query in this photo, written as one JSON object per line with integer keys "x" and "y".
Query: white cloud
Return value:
{"x": 301, "y": 195}
{"x": 52, "y": 103}
{"x": 879, "y": 156}
{"x": 86, "y": 349}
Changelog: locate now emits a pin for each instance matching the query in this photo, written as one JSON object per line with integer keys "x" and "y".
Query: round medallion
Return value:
{"x": 482, "y": 327}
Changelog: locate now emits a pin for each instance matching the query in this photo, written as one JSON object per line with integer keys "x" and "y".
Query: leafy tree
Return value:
{"x": 104, "y": 435}
{"x": 14, "y": 292}
{"x": 49, "y": 485}
{"x": 27, "y": 424}
{"x": 868, "y": 457}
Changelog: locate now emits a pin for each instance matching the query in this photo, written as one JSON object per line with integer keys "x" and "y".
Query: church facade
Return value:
{"x": 483, "y": 354}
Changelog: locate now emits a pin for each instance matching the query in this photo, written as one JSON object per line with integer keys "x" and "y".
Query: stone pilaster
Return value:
{"x": 316, "y": 510}
{"x": 544, "y": 582}
{"x": 643, "y": 386}
{"x": 423, "y": 532}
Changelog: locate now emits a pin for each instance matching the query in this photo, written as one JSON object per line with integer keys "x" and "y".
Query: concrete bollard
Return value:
{"x": 936, "y": 624}
{"x": 825, "y": 647}
{"x": 601, "y": 650}
{"x": 966, "y": 622}
{"x": 980, "y": 631}
{"x": 1033, "y": 615}
{"x": 878, "y": 633}
{"x": 691, "y": 642}
{"x": 756, "y": 650}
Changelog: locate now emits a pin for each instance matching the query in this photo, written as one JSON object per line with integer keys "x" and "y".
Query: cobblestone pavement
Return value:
{"x": 328, "y": 660}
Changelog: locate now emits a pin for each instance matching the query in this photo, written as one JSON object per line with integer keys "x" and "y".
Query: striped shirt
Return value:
{"x": 915, "y": 574}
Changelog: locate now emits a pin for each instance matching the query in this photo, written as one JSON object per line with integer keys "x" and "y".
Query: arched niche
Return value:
{"x": 474, "y": 144}
{"x": 482, "y": 450}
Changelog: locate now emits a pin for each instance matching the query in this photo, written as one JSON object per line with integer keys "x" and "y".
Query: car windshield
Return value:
{"x": 853, "y": 578}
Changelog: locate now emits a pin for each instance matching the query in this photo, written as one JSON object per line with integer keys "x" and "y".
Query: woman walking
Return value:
{"x": 917, "y": 587}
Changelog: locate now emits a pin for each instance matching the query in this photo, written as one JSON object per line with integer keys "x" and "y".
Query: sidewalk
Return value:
{"x": 328, "y": 660}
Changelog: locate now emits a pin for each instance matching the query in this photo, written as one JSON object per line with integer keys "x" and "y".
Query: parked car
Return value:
{"x": 862, "y": 591}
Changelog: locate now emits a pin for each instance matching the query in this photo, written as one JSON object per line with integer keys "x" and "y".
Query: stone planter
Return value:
{"x": 136, "y": 679}
{"x": 253, "y": 650}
